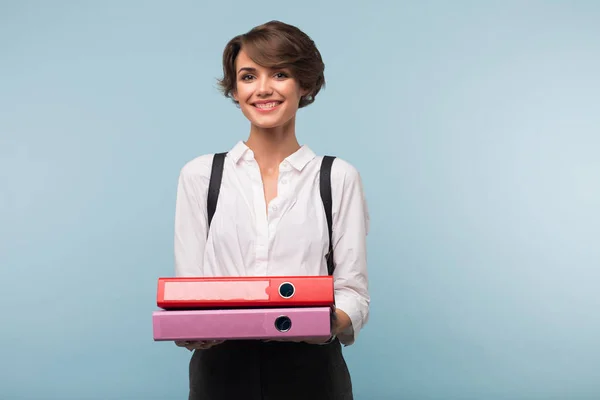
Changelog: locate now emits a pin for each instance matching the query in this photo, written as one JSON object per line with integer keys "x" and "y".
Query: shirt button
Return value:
{"x": 284, "y": 181}
{"x": 273, "y": 208}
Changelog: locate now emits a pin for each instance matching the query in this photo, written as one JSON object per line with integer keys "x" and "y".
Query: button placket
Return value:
{"x": 261, "y": 246}
{"x": 284, "y": 177}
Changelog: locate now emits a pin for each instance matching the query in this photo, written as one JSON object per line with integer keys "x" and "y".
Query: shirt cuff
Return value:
{"x": 353, "y": 307}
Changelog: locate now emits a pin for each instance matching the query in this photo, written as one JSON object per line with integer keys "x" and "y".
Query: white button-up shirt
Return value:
{"x": 289, "y": 238}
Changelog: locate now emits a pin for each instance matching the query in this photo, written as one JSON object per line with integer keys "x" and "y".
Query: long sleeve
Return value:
{"x": 191, "y": 217}
{"x": 350, "y": 229}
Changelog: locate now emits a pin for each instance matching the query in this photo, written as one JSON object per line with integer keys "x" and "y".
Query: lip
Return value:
{"x": 266, "y": 110}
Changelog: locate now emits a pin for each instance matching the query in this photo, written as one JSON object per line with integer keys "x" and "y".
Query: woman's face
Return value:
{"x": 268, "y": 97}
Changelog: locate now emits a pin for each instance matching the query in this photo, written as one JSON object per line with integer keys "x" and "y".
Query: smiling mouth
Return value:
{"x": 267, "y": 106}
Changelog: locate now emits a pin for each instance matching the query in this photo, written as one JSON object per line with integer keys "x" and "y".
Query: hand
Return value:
{"x": 340, "y": 322}
{"x": 198, "y": 344}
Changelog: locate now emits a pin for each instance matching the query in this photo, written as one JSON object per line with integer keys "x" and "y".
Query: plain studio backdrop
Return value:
{"x": 475, "y": 126}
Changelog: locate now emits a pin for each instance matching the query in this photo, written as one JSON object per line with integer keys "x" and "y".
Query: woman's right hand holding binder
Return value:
{"x": 198, "y": 345}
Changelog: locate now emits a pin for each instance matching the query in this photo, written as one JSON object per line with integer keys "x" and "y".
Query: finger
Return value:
{"x": 203, "y": 345}
{"x": 192, "y": 344}
{"x": 200, "y": 345}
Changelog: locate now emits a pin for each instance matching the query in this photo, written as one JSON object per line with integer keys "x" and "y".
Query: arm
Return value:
{"x": 190, "y": 220}
{"x": 350, "y": 228}
{"x": 191, "y": 224}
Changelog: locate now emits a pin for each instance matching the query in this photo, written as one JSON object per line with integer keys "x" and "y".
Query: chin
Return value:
{"x": 265, "y": 125}
{"x": 268, "y": 121}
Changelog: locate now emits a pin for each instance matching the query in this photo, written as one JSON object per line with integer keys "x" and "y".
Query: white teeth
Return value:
{"x": 267, "y": 105}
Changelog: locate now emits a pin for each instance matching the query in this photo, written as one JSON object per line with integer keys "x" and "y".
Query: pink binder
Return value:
{"x": 232, "y": 324}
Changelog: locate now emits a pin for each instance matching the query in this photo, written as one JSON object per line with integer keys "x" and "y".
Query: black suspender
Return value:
{"x": 214, "y": 187}
{"x": 325, "y": 187}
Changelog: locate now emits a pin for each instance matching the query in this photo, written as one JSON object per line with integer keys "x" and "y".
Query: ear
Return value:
{"x": 234, "y": 95}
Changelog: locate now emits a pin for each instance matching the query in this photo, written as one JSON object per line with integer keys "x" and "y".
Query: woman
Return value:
{"x": 270, "y": 220}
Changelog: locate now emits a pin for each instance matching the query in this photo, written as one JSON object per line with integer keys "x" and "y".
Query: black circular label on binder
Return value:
{"x": 283, "y": 323}
{"x": 286, "y": 290}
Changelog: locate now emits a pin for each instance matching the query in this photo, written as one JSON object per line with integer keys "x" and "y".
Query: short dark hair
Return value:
{"x": 277, "y": 45}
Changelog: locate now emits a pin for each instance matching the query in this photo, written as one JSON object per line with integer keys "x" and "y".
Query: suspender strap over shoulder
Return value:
{"x": 325, "y": 186}
{"x": 214, "y": 186}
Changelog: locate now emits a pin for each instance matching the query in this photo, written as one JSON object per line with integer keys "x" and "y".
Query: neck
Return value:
{"x": 272, "y": 145}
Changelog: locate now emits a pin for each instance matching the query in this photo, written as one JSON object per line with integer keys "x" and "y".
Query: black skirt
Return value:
{"x": 257, "y": 370}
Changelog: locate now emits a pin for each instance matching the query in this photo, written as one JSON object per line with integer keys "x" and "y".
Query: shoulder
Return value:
{"x": 346, "y": 181}
{"x": 348, "y": 194}
{"x": 344, "y": 173}
{"x": 196, "y": 172}
{"x": 198, "y": 167}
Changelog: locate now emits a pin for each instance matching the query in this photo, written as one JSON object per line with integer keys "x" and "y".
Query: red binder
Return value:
{"x": 239, "y": 292}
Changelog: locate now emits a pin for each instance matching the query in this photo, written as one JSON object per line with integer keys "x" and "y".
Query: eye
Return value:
{"x": 281, "y": 75}
{"x": 246, "y": 77}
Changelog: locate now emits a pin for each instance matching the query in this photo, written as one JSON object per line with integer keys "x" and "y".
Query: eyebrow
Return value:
{"x": 249, "y": 69}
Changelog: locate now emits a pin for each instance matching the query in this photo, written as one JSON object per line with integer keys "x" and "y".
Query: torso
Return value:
{"x": 267, "y": 222}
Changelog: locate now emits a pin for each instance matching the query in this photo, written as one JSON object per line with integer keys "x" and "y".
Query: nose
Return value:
{"x": 264, "y": 87}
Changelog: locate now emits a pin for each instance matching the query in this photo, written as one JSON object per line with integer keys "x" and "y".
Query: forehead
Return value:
{"x": 244, "y": 61}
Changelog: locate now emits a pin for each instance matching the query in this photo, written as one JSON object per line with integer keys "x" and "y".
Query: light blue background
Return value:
{"x": 475, "y": 125}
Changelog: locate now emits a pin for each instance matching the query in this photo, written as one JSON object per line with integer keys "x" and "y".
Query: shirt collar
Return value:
{"x": 298, "y": 160}
{"x": 301, "y": 157}
{"x": 239, "y": 151}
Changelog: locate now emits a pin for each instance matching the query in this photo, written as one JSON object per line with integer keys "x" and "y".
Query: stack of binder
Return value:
{"x": 243, "y": 308}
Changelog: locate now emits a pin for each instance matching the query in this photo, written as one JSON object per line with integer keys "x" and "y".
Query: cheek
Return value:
{"x": 242, "y": 93}
{"x": 292, "y": 92}
{"x": 293, "y": 98}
